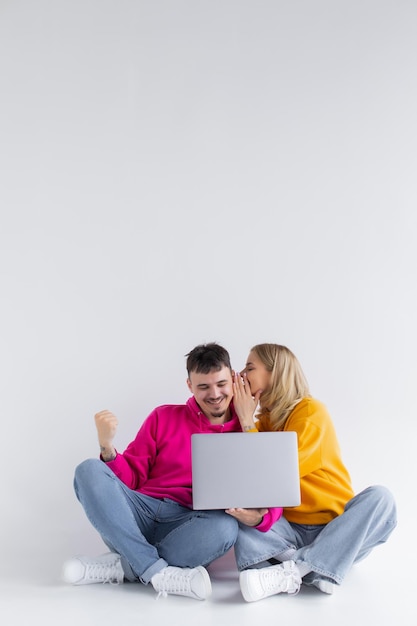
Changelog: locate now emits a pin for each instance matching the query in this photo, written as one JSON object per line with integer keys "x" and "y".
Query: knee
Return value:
{"x": 227, "y": 527}
{"x": 233, "y": 527}
{"x": 87, "y": 472}
{"x": 229, "y": 532}
{"x": 380, "y": 497}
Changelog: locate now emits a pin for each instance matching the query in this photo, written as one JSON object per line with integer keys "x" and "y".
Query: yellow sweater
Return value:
{"x": 324, "y": 480}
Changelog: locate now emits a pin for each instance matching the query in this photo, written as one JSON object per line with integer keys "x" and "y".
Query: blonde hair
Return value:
{"x": 288, "y": 384}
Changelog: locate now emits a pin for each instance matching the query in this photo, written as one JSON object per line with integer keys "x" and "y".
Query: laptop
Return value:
{"x": 245, "y": 470}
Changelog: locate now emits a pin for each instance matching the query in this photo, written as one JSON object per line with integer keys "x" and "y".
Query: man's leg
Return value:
{"x": 188, "y": 538}
{"x": 115, "y": 512}
{"x": 127, "y": 522}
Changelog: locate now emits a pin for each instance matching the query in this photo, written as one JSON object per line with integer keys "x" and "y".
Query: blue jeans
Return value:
{"x": 330, "y": 549}
{"x": 148, "y": 533}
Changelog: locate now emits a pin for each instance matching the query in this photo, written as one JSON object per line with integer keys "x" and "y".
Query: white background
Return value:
{"x": 176, "y": 172}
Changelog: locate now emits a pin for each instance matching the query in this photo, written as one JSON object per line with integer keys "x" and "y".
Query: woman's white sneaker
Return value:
{"x": 182, "y": 581}
{"x": 257, "y": 584}
{"x": 325, "y": 586}
{"x": 85, "y": 570}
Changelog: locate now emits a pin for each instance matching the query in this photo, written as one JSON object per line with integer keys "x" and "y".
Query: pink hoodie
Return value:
{"x": 158, "y": 461}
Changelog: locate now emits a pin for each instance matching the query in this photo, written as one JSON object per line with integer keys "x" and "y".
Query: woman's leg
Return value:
{"x": 253, "y": 547}
{"x": 368, "y": 520}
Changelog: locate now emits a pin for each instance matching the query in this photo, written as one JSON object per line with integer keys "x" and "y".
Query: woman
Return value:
{"x": 316, "y": 542}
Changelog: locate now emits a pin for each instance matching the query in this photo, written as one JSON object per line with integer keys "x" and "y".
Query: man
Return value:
{"x": 140, "y": 501}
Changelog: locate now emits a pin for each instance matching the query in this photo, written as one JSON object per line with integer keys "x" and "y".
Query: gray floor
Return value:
{"x": 377, "y": 590}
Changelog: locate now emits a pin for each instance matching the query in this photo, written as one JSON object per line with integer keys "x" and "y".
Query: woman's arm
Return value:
{"x": 244, "y": 402}
{"x": 245, "y": 405}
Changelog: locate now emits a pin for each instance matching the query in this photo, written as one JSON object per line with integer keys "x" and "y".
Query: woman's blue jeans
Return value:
{"x": 329, "y": 550}
{"x": 148, "y": 533}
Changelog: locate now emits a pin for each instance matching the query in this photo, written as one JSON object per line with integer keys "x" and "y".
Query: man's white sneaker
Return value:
{"x": 256, "y": 584}
{"x": 193, "y": 583}
{"x": 85, "y": 570}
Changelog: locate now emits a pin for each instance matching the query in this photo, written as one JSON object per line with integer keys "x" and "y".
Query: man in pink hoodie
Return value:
{"x": 140, "y": 500}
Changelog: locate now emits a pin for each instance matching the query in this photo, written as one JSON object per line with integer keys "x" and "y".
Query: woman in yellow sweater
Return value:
{"x": 316, "y": 542}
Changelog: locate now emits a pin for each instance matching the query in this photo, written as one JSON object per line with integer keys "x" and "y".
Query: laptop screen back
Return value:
{"x": 245, "y": 470}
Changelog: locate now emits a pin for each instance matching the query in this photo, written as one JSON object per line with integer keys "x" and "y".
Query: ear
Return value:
{"x": 189, "y": 385}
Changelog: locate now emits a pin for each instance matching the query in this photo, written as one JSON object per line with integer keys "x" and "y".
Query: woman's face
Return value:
{"x": 257, "y": 374}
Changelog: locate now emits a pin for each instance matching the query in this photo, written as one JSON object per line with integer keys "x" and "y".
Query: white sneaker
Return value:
{"x": 85, "y": 570}
{"x": 325, "y": 586}
{"x": 193, "y": 583}
{"x": 256, "y": 584}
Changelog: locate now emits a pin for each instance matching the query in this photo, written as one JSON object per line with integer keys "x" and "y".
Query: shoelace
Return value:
{"x": 174, "y": 582}
{"x": 102, "y": 572}
{"x": 284, "y": 578}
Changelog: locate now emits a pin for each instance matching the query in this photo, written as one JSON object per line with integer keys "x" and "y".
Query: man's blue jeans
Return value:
{"x": 330, "y": 549}
{"x": 148, "y": 533}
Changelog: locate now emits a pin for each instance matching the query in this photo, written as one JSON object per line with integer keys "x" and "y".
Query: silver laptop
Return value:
{"x": 245, "y": 470}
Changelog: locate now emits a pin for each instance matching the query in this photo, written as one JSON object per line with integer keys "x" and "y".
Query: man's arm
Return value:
{"x": 106, "y": 424}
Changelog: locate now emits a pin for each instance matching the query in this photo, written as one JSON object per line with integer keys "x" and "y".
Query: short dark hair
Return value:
{"x": 206, "y": 358}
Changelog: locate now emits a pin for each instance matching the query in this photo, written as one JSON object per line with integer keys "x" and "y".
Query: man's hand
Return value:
{"x": 249, "y": 517}
{"x": 106, "y": 424}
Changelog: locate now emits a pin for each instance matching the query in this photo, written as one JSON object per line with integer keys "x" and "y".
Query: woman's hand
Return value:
{"x": 249, "y": 517}
{"x": 244, "y": 402}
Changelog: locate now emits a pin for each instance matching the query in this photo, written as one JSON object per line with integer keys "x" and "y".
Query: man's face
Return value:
{"x": 213, "y": 393}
